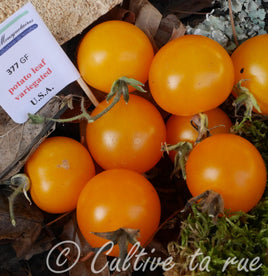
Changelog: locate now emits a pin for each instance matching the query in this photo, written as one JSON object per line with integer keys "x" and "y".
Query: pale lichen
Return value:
{"x": 249, "y": 20}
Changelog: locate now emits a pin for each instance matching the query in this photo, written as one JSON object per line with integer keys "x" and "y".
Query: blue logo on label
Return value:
{"x": 17, "y": 38}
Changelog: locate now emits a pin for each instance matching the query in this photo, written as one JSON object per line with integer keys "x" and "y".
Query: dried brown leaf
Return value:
{"x": 148, "y": 18}
{"x": 119, "y": 13}
{"x": 71, "y": 232}
{"x": 178, "y": 28}
{"x": 29, "y": 221}
{"x": 40, "y": 246}
{"x": 10, "y": 265}
{"x": 83, "y": 267}
{"x": 170, "y": 28}
{"x": 159, "y": 29}
{"x": 18, "y": 141}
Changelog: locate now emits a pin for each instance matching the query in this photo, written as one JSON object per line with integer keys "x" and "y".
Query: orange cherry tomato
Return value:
{"x": 179, "y": 128}
{"x": 250, "y": 61}
{"x": 114, "y": 199}
{"x": 111, "y": 50}
{"x": 229, "y": 165}
{"x": 58, "y": 170}
{"x": 128, "y": 136}
{"x": 191, "y": 74}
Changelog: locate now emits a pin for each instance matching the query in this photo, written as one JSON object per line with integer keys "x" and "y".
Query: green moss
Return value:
{"x": 240, "y": 236}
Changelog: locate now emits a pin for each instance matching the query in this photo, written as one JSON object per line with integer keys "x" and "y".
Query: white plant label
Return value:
{"x": 33, "y": 66}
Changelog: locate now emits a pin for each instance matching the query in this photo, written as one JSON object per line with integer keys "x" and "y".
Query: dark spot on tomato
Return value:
{"x": 242, "y": 70}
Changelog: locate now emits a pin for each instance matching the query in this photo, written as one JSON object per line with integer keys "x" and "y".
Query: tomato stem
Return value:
{"x": 122, "y": 237}
{"x": 119, "y": 88}
{"x": 183, "y": 149}
{"x": 245, "y": 97}
{"x": 20, "y": 183}
{"x": 200, "y": 124}
{"x": 116, "y": 93}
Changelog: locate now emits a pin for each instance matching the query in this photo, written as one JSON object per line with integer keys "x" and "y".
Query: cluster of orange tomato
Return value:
{"x": 189, "y": 75}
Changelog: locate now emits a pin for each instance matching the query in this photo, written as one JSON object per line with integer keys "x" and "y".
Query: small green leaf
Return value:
{"x": 36, "y": 119}
{"x": 134, "y": 83}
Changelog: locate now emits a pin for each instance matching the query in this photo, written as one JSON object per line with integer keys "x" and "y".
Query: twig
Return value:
{"x": 232, "y": 22}
{"x": 188, "y": 12}
{"x": 119, "y": 88}
{"x": 87, "y": 256}
{"x": 58, "y": 218}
